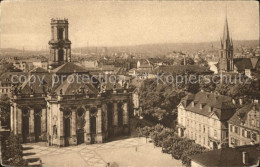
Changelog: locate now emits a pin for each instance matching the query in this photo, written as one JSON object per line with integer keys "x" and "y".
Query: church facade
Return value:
{"x": 61, "y": 112}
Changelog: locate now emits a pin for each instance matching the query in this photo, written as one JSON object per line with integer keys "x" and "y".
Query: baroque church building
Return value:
{"x": 49, "y": 107}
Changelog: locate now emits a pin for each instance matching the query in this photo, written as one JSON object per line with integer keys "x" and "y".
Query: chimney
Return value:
{"x": 240, "y": 101}
{"x": 245, "y": 158}
{"x": 233, "y": 101}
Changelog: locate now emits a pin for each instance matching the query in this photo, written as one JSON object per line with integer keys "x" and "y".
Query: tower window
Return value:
{"x": 60, "y": 33}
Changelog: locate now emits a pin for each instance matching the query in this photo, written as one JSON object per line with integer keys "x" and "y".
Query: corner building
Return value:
{"x": 203, "y": 117}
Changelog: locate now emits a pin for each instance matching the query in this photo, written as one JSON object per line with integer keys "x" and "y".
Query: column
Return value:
{"x": 52, "y": 32}
{"x": 99, "y": 125}
{"x": 15, "y": 119}
{"x": 104, "y": 108}
{"x": 87, "y": 127}
{"x": 73, "y": 128}
{"x": 99, "y": 121}
{"x": 66, "y": 58}
{"x": 12, "y": 118}
{"x": 31, "y": 125}
{"x": 44, "y": 124}
{"x": 60, "y": 128}
{"x": 66, "y": 34}
{"x": 115, "y": 121}
{"x": 125, "y": 114}
{"x": 54, "y": 55}
{"x": 19, "y": 121}
{"x": 69, "y": 57}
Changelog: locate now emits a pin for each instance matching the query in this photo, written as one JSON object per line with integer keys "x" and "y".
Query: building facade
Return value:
{"x": 244, "y": 126}
{"x": 203, "y": 117}
{"x": 67, "y": 105}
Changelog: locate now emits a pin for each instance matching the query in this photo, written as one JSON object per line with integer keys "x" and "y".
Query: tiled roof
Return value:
{"x": 254, "y": 61}
{"x": 68, "y": 87}
{"x": 228, "y": 156}
{"x": 69, "y": 68}
{"x": 243, "y": 63}
{"x": 38, "y": 85}
{"x": 241, "y": 114}
{"x": 38, "y": 70}
{"x": 221, "y": 105}
{"x": 178, "y": 69}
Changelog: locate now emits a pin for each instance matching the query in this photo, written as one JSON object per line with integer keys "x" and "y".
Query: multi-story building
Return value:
{"x": 203, "y": 117}
{"x": 244, "y": 125}
{"x": 240, "y": 156}
{"x": 7, "y": 80}
{"x": 77, "y": 109}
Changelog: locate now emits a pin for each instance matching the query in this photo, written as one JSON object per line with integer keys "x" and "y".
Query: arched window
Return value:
{"x": 60, "y": 33}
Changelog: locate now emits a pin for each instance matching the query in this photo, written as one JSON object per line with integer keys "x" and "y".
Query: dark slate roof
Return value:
{"x": 254, "y": 61}
{"x": 38, "y": 70}
{"x": 69, "y": 68}
{"x": 228, "y": 156}
{"x": 220, "y": 105}
{"x": 241, "y": 114}
{"x": 183, "y": 68}
{"x": 39, "y": 85}
{"x": 68, "y": 87}
{"x": 243, "y": 63}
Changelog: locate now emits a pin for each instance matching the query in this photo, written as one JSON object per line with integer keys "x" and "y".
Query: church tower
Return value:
{"x": 60, "y": 45}
{"x": 226, "y": 51}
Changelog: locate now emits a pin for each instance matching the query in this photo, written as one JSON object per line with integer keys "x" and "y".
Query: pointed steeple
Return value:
{"x": 226, "y": 36}
{"x": 221, "y": 43}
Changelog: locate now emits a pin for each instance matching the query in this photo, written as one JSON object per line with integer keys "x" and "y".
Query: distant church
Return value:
{"x": 226, "y": 51}
{"x": 227, "y": 62}
{"x": 68, "y": 113}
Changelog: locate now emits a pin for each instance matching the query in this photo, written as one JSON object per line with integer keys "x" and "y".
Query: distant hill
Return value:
{"x": 148, "y": 49}
{"x": 164, "y": 48}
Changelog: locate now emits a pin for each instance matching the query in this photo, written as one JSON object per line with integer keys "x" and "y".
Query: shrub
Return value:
{"x": 12, "y": 153}
{"x": 193, "y": 149}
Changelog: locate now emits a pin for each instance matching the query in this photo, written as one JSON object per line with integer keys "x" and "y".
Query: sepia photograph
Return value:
{"x": 149, "y": 83}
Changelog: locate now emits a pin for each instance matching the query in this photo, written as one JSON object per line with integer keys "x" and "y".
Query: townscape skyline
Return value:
{"x": 99, "y": 24}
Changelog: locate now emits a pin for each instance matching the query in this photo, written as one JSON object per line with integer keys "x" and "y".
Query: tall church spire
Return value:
{"x": 226, "y": 51}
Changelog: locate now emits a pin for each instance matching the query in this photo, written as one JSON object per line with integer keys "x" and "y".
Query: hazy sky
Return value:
{"x": 27, "y": 23}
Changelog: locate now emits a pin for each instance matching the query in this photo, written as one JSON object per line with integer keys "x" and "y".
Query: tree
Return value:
{"x": 12, "y": 151}
{"x": 5, "y": 110}
{"x": 192, "y": 150}
{"x": 188, "y": 60}
{"x": 201, "y": 61}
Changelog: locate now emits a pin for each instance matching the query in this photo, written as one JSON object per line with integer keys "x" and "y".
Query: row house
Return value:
{"x": 203, "y": 117}
{"x": 244, "y": 125}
